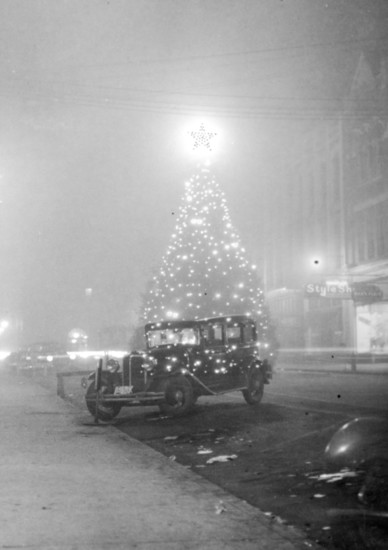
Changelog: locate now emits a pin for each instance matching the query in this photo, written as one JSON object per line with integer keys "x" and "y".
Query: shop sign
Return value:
{"x": 359, "y": 292}
{"x": 362, "y": 292}
{"x": 340, "y": 290}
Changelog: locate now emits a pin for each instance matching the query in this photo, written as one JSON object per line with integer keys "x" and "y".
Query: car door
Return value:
{"x": 235, "y": 352}
{"x": 211, "y": 367}
{"x": 241, "y": 347}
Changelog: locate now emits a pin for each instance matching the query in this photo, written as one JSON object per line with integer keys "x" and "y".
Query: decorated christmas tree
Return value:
{"x": 205, "y": 271}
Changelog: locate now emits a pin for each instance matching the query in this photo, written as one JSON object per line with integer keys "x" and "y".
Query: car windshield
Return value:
{"x": 173, "y": 336}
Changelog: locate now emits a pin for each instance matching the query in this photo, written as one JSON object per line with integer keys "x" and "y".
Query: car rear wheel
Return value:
{"x": 105, "y": 411}
{"x": 178, "y": 396}
{"x": 253, "y": 394}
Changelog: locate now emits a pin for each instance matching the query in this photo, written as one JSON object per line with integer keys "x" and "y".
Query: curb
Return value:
{"x": 379, "y": 369}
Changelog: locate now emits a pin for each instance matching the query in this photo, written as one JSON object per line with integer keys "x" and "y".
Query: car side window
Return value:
{"x": 205, "y": 334}
{"x": 249, "y": 333}
{"x": 212, "y": 334}
{"x": 233, "y": 334}
{"x": 188, "y": 336}
{"x": 217, "y": 334}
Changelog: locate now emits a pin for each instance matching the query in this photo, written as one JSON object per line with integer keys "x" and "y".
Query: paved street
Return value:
{"x": 333, "y": 389}
{"x": 278, "y": 450}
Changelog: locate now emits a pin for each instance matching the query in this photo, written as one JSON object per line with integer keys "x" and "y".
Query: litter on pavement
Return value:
{"x": 203, "y": 451}
{"x": 221, "y": 458}
{"x": 220, "y": 507}
{"x": 274, "y": 517}
{"x": 337, "y": 476}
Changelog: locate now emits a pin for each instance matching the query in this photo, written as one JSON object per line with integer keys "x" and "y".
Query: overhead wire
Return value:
{"x": 96, "y": 94}
{"x": 211, "y": 110}
{"x": 191, "y": 94}
{"x": 201, "y": 57}
{"x": 275, "y": 112}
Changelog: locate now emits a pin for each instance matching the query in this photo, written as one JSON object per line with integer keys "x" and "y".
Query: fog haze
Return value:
{"x": 96, "y": 100}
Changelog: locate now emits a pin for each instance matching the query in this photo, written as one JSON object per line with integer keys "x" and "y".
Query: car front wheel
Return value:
{"x": 253, "y": 394}
{"x": 105, "y": 411}
{"x": 178, "y": 396}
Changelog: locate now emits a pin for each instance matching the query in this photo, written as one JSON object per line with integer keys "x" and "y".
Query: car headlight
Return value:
{"x": 148, "y": 363}
{"x": 112, "y": 365}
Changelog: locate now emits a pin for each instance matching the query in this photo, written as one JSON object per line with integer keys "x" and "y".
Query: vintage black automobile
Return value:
{"x": 182, "y": 361}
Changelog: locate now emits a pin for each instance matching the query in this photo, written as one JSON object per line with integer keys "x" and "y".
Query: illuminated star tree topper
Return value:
{"x": 202, "y": 138}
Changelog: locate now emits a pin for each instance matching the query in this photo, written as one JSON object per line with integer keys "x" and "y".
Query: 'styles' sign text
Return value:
{"x": 328, "y": 290}
{"x": 359, "y": 292}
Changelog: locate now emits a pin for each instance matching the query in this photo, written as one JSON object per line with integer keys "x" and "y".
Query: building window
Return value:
{"x": 364, "y": 164}
{"x": 374, "y": 159}
{"x": 380, "y": 237}
{"x": 322, "y": 195}
{"x": 370, "y": 167}
{"x": 351, "y": 244}
{"x": 336, "y": 179}
{"x": 360, "y": 236}
{"x": 371, "y": 233}
{"x": 382, "y": 229}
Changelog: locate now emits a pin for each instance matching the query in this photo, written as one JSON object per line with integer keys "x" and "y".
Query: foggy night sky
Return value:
{"x": 96, "y": 101}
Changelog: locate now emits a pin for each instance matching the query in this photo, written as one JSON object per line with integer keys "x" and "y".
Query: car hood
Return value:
{"x": 167, "y": 352}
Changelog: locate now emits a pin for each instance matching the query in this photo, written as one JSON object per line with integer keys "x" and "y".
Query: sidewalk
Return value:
{"x": 327, "y": 364}
{"x": 67, "y": 483}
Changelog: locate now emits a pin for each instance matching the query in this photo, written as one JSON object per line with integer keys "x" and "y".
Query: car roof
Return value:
{"x": 228, "y": 318}
{"x": 161, "y": 325}
{"x": 170, "y": 324}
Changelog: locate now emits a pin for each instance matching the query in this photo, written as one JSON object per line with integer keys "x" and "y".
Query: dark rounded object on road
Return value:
{"x": 179, "y": 398}
{"x": 374, "y": 490}
{"x": 358, "y": 442}
{"x": 255, "y": 390}
{"x": 105, "y": 411}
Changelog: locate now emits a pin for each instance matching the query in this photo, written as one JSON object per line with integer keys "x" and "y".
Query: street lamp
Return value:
{"x": 4, "y": 324}
{"x": 77, "y": 338}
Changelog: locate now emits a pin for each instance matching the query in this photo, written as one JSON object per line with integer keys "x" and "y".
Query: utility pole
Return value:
{"x": 348, "y": 306}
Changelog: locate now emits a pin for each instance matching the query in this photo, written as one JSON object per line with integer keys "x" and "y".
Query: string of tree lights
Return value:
{"x": 205, "y": 271}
